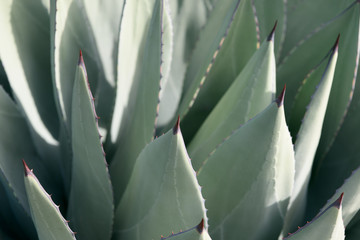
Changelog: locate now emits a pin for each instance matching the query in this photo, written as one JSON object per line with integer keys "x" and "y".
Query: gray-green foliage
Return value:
{"x": 252, "y": 160}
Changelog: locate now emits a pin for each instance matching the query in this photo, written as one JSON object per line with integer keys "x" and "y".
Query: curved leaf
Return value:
{"x": 328, "y": 225}
{"x": 232, "y": 28}
{"x": 90, "y": 181}
{"x": 351, "y": 201}
{"x": 131, "y": 60}
{"x": 307, "y": 142}
{"x": 253, "y": 167}
{"x": 188, "y": 18}
{"x": 48, "y": 220}
{"x": 138, "y": 123}
{"x": 24, "y": 51}
{"x": 251, "y": 92}
{"x": 163, "y": 194}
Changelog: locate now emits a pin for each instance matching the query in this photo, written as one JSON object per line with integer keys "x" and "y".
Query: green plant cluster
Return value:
{"x": 179, "y": 119}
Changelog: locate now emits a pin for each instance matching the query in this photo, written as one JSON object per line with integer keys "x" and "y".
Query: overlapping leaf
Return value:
{"x": 138, "y": 123}
{"x": 49, "y": 223}
{"x": 24, "y": 50}
{"x": 307, "y": 141}
{"x": 258, "y": 162}
{"x": 328, "y": 225}
{"x": 162, "y": 195}
{"x": 251, "y": 92}
{"x": 91, "y": 204}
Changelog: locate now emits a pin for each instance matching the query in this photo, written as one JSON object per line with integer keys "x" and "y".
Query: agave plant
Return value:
{"x": 253, "y": 159}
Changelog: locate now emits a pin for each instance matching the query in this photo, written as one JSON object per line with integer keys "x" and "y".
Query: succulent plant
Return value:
{"x": 253, "y": 159}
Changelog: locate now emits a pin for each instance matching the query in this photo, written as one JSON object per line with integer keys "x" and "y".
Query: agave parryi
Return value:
{"x": 214, "y": 64}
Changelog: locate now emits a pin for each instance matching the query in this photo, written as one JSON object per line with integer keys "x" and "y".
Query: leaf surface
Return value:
{"x": 328, "y": 225}
{"x": 138, "y": 125}
{"x": 163, "y": 194}
{"x": 47, "y": 218}
{"x": 251, "y": 92}
{"x": 307, "y": 141}
{"x": 91, "y": 198}
{"x": 253, "y": 167}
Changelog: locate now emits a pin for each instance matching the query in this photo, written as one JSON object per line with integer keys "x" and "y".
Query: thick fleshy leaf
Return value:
{"x": 103, "y": 18}
{"x": 251, "y": 92}
{"x": 138, "y": 124}
{"x": 163, "y": 194}
{"x": 48, "y": 220}
{"x": 25, "y": 53}
{"x": 196, "y": 233}
{"x": 221, "y": 20}
{"x": 131, "y": 53}
{"x": 307, "y": 142}
{"x": 232, "y": 30}
{"x": 188, "y": 19}
{"x": 15, "y": 144}
{"x": 266, "y": 13}
{"x": 93, "y": 27}
{"x": 90, "y": 182}
{"x": 302, "y": 59}
{"x": 312, "y": 20}
{"x": 351, "y": 201}
{"x": 328, "y": 225}
{"x": 248, "y": 180}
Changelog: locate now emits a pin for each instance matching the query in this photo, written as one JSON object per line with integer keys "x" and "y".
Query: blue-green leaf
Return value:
{"x": 328, "y": 225}
{"x": 258, "y": 162}
{"x": 90, "y": 181}
{"x": 251, "y": 92}
{"x": 163, "y": 194}
{"x": 49, "y": 223}
{"x": 138, "y": 121}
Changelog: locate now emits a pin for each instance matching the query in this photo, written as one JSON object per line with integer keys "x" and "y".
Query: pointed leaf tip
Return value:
{"x": 336, "y": 45}
{"x": 338, "y": 201}
{"x": 81, "y": 60}
{"x": 280, "y": 98}
{"x": 177, "y": 126}
{"x": 272, "y": 33}
{"x": 200, "y": 226}
{"x": 26, "y": 168}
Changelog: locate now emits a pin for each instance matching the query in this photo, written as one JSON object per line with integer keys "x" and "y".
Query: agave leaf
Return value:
{"x": 103, "y": 18}
{"x": 142, "y": 109}
{"x": 230, "y": 23}
{"x": 16, "y": 143}
{"x": 351, "y": 201}
{"x": 253, "y": 167}
{"x": 328, "y": 225}
{"x": 196, "y": 233}
{"x": 17, "y": 223}
{"x": 342, "y": 158}
{"x": 24, "y": 50}
{"x": 47, "y": 218}
{"x": 74, "y": 26}
{"x": 299, "y": 26}
{"x": 251, "y": 92}
{"x": 266, "y": 13}
{"x": 188, "y": 19}
{"x": 131, "y": 53}
{"x": 162, "y": 181}
{"x": 90, "y": 182}
{"x": 347, "y": 24}
{"x": 307, "y": 142}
